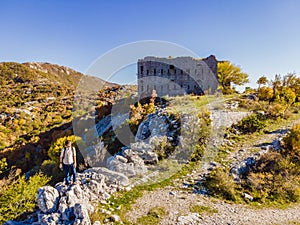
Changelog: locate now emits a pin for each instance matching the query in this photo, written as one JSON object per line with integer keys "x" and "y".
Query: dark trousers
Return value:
{"x": 69, "y": 170}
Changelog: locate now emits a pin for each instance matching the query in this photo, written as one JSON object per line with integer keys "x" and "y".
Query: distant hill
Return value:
{"x": 43, "y": 73}
{"x": 36, "y": 97}
{"x": 37, "y": 107}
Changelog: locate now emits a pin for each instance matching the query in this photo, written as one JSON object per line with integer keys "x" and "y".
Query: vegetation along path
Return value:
{"x": 180, "y": 204}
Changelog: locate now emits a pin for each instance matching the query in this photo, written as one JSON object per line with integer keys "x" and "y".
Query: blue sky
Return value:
{"x": 261, "y": 36}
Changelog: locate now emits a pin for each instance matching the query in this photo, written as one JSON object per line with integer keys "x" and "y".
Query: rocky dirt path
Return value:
{"x": 178, "y": 203}
{"x": 221, "y": 118}
{"x": 178, "y": 199}
{"x": 267, "y": 140}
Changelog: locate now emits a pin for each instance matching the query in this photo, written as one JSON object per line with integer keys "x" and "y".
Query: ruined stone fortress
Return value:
{"x": 177, "y": 76}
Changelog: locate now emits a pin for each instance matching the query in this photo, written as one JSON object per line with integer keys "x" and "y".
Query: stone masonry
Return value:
{"x": 177, "y": 76}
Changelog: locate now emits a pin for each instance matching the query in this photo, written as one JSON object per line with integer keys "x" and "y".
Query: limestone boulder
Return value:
{"x": 47, "y": 199}
{"x": 149, "y": 157}
{"x": 120, "y": 166}
{"x": 94, "y": 187}
{"x": 81, "y": 215}
{"x": 141, "y": 146}
{"x": 65, "y": 211}
{"x": 48, "y": 219}
{"x": 145, "y": 151}
{"x": 111, "y": 177}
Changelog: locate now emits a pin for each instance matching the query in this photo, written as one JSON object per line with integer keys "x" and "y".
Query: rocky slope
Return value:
{"x": 187, "y": 192}
{"x": 41, "y": 73}
{"x": 36, "y": 109}
{"x": 72, "y": 205}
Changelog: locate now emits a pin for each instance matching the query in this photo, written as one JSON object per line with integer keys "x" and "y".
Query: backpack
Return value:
{"x": 65, "y": 152}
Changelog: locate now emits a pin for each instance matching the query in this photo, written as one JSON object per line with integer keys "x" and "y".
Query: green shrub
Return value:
{"x": 3, "y": 165}
{"x": 20, "y": 197}
{"x": 162, "y": 147}
{"x": 221, "y": 185}
{"x": 138, "y": 113}
{"x": 57, "y": 119}
{"x": 201, "y": 209}
{"x": 275, "y": 110}
{"x": 55, "y": 149}
{"x": 265, "y": 93}
{"x": 49, "y": 168}
{"x": 274, "y": 179}
{"x": 270, "y": 163}
{"x": 203, "y": 134}
{"x": 251, "y": 124}
{"x": 292, "y": 143}
{"x": 154, "y": 216}
{"x": 198, "y": 152}
{"x": 287, "y": 96}
{"x": 292, "y": 192}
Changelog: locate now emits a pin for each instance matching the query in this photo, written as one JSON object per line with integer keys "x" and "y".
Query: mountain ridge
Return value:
{"x": 44, "y": 72}
{"x": 36, "y": 97}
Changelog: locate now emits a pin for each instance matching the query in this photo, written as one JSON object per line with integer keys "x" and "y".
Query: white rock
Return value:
{"x": 121, "y": 159}
{"x": 47, "y": 199}
{"x": 112, "y": 177}
{"x": 81, "y": 214}
{"x": 115, "y": 218}
{"x": 247, "y": 196}
{"x": 48, "y": 219}
{"x": 64, "y": 209}
{"x": 192, "y": 218}
{"x": 97, "y": 223}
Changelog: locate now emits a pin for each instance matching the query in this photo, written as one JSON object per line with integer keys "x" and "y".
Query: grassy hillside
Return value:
{"x": 36, "y": 108}
{"x": 35, "y": 97}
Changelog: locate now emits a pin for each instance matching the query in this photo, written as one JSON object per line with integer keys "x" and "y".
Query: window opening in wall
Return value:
{"x": 142, "y": 69}
{"x": 161, "y": 71}
{"x": 147, "y": 72}
{"x": 172, "y": 69}
{"x": 188, "y": 87}
{"x": 181, "y": 72}
{"x": 154, "y": 71}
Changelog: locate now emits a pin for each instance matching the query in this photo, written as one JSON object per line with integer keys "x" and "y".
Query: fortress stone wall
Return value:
{"x": 177, "y": 76}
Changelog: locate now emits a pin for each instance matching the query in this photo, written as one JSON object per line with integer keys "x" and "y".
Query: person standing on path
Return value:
{"x": 68, "y": 162}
